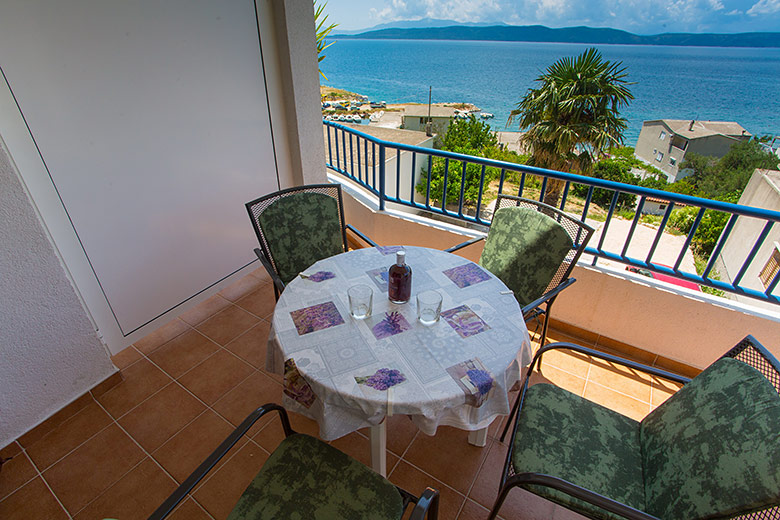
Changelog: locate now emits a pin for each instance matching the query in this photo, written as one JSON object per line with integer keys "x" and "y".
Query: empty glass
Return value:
{"x": 360, "y": 301}
{"x": 428, "y": 307}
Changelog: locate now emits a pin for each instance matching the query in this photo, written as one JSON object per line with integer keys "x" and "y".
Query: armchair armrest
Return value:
{"x": 609, "y": 357}
{"x": 360, "y": 235}
{"x": 428, "y": 503}
{"x": 201, "y": 471}
{"x": 539, "y": 479}
{"x": 463, "y": 244}
{"x": 546, "y": 297}
{"x": 278, "y": 283}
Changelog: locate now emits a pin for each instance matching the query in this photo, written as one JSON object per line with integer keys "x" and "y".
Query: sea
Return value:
{"x": 702, "y": 83}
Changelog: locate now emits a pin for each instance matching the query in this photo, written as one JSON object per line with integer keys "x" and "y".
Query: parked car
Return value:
{"x": 378, "y": 104}
{"x": 664, "y": 277}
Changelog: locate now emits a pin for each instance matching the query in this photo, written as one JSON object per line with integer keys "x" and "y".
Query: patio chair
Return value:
{"x": 532, "y": 248}
{"x": 307, "y": 478}
{"x": 712, "y": 450}
{"x": 297, "y": 227}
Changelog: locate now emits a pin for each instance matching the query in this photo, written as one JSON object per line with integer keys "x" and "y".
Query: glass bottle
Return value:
{"x": 399, "y": 279}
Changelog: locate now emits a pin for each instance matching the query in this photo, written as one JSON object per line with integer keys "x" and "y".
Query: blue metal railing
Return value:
{"x": 412, "y": 187}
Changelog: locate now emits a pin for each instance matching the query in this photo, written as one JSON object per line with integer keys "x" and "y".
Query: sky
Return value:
{"x": 637, "y": 16}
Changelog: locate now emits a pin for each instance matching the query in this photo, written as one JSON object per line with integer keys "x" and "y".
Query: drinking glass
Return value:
{"x": 360, "y": 300}
{"x": 428, "y": 307}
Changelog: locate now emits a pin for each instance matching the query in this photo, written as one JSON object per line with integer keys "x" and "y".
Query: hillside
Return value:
{"x": 540, "y": 33}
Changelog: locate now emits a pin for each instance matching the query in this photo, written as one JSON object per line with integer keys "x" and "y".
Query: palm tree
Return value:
{"x": 573, "y": 117}
{"x": 321, "y": 31}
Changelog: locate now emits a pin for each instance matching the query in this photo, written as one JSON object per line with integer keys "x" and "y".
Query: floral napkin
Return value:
{"x": 474, "y": 379}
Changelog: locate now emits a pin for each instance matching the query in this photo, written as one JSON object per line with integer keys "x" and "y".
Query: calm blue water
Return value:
{"x": 731, "y": 84}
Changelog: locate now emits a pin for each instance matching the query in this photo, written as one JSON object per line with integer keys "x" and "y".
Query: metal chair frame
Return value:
{"x": 256, "y": 207}
{"x": 426, "y": 504}
{"x": 749, "y": 351}
{"x": 580, "y": 234}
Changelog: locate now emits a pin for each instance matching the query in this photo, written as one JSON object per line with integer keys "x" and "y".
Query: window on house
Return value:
{"x": 659, "y": 157}
{"x": 771, "y": 268}
{"x": 422, "y": 120}
{"x": 662, "y": 206}
{"x": 662, "y": 136}
{"x": 672, "y": 161}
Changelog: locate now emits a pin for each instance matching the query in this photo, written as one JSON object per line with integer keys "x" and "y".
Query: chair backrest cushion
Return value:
{"x": 525, "y": 248}
{"x": 301, "y": 229}
{"x": 713, "y": 448}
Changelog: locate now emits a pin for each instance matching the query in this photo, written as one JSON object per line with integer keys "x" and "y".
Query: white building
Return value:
{"x": 762, "y": 191}
{"x": 663, "y": 143}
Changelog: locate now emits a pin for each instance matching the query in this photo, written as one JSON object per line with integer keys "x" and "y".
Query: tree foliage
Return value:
{"x": 718, "y": 178}
{"x": 321, "y": 32}
{"x": 470, "y": 137}
{"x": 573, "y": 117}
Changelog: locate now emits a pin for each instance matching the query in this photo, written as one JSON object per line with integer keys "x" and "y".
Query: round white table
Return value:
{"x": 348, "y": 374}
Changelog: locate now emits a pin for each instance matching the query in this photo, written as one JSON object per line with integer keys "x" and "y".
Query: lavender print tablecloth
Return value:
{"x": 348, "y": 374}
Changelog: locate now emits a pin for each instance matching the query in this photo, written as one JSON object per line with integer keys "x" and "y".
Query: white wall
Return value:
{"x": 49, "y": 353}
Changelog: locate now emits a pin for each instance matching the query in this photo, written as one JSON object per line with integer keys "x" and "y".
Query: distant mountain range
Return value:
{"x": 540, "y": 33}
{"x": 422, "y": 23}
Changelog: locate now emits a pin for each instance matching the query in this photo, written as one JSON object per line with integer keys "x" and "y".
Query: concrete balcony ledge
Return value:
{"x": 648, "y": 320}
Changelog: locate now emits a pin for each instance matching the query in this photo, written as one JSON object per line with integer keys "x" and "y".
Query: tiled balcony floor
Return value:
{"x": 118, "y": 453}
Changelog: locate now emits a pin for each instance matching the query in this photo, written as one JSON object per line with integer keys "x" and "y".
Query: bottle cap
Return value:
{"x": 400, "y": 257}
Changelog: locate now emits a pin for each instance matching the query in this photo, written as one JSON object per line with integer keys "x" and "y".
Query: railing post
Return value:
{"x": 382, "y": 176}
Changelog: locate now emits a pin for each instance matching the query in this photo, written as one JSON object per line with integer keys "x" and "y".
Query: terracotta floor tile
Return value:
{"x": 93, "y": 467}
{"x": 205, "y": 310}
{"x": 401, "y": 431}
{"x": 448, "y": 456}
{"x": 69, "y": 435}
{"x": 33, "y": 501}
{"x": 519, "y": 503}
{"x": 141, "y": 380}
{"x": 16, "y": 472}
{"x": 255, "y": 391}
{"x": 662, "y": 390}
{"x": 11, "y": 450}
{"x": 622, "y": 379}
{"x": 158, "y": 418}
{"x": 571, "y": 362}
{"x": 562, "y": 379}
{"x": 216, "y": 376}
{"x": 126, "y": 357}
{"x": 242, "y": 287}
{"x": 219, "y": 494}
{"x": 134, "y": 497}
{"x": 415, "y": 481}
{"x": 261, "y": 302}
{"x": 473, "y": 511}
{"x": 262, "y": 275}
{"x": 162, "y": 335}
{"x": 189, "y": 510}
{"x": 359, "y": 448}
{"x": 34, "y": 435}
{"x": 183, "y": 352}
{"x": 616, "y": 401}
{"x": 250, "y": 346}
{"x": 183, "y": 452}
{"x": 227, "y": 325}
{"x": 272, "y": 432}
{"x": 107, "y": 384}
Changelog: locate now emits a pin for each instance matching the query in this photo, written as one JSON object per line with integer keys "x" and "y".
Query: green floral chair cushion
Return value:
{"x": 564, "y": 435}
{"x": 301, "y": 229}
{"x": 714, "y": 445}
{"x": 525, "y": 248}
{"x": 306, "y": 479}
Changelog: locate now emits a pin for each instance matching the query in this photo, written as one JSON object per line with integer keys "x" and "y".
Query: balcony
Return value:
{"x": 120, "y": 449}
